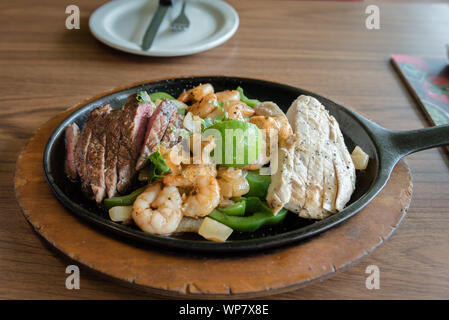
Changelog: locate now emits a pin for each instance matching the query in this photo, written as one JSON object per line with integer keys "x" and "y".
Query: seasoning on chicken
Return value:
{"x": 322, "y": 175}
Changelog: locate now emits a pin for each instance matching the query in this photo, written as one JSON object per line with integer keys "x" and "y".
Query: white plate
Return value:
{"x": 121, "y": 24}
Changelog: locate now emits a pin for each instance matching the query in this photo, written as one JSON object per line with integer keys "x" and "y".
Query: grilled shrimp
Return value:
{"x": 203, "y": 155}
{"x": 204, "y": 191}
{"x": 189, "y": 174}
{"x": 259, "y": 163}
{"x": 197, "y": 93}
{"x": 158, "y": 210}
{"x": 172, "y": 157}
{"x": 228, "y": 95}
{"x": 285, "y": 130}
{"x": 235, "y": 110}
{"x": 265, "y": 122}
{"x": 232, "y": 182}
{"x": 205, "y": 106}
{"x": 279, "y": 123}
{"x": 276, "y": 129}
{"x": 207, "y": 146}
{"x": 238, "y": 110}
{"x": 203, "y": 199}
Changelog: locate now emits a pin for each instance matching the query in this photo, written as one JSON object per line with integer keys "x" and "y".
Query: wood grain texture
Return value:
{"x": 183, "y": 275}
{"x": 320, "y": 46}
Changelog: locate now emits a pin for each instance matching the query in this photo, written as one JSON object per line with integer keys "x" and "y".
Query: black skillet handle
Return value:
{"x": 407, "y": 142}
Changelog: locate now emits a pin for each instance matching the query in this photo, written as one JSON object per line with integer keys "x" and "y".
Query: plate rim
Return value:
{"x": 100, "y": 33}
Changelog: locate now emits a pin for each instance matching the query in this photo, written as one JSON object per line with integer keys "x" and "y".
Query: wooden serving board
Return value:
{"x": 203, "y": 276}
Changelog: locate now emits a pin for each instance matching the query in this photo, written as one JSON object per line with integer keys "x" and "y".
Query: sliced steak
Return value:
{"x": 134, "y": 119}
{"x": 72, "y": 133}
{"x": 113, "y": 135}
{"x": 172, "y": 135}
{"x": 104, "y": 154}
{"x": 95, "y": 160}
{"x": 156, "y": 127}
{"x": 82, "y": 146}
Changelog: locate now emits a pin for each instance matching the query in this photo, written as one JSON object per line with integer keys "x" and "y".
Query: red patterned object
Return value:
{"x": 428, "y": 81}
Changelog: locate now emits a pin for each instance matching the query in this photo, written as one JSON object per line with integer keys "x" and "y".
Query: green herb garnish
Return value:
{"x": 157, "y": 168}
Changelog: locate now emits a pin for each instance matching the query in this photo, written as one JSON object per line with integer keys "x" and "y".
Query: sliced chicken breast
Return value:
{"x": 326, "y": 173}
{"x": 322, "y": 177}
{"x": 280, "y": 191}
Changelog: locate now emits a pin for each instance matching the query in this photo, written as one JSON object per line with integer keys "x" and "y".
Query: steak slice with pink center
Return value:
{"x": 156, "y": 128}
{"x": 134, "y": 119}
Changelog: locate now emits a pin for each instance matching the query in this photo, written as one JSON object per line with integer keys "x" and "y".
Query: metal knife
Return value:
{"x": 151, "y": 32}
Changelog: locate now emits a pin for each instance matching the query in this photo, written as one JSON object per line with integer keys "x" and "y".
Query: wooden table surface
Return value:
{"x": 320, "y": 46}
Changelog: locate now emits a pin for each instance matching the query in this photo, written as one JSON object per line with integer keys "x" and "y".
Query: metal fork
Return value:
{"x": 181, "y": 22}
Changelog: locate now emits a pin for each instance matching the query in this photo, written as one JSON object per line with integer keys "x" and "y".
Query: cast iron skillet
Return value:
{"x": 383, "y": 146}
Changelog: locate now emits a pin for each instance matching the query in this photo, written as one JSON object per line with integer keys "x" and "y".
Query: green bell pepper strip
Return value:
{"x": 240, "y": 142}
{"x": 258, "y": 184}
{"x": 127, "y": 200}
{"x": 243, "y": 98}
{"x": 160, "y": 95}
{"x": 237, "y": 209}
{"x": 254, "y": 204}
{"x": 248, "y": 223}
